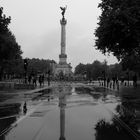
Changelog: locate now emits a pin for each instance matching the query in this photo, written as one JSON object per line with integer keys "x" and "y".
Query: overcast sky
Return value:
{"x": 36, "y": 25}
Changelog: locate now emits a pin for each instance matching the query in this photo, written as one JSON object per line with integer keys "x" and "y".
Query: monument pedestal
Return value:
{"x": 63, "y": 68}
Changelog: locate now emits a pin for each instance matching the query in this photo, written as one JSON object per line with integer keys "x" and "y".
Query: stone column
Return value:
{"x": 63, "y": 56}
{"x": 63, "y": 35}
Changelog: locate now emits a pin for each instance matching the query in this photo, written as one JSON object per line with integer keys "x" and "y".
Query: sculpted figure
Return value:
{"x": 63, "y": 10}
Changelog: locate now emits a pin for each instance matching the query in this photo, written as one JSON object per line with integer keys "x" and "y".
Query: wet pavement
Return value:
{"x": 68, "y": 112}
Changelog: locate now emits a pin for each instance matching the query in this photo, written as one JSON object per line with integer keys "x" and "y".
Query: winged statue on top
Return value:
{"x": 63, "y": 10}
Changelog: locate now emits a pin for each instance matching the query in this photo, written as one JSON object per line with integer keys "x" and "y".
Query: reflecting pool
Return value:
{"x": 68, "y": 112}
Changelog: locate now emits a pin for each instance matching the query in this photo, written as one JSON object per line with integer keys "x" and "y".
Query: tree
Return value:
{"x": 131, "y": 62}
{"x": 92, "y": 71}
{"x": 115, "y": 70}
{"x": 80, "y": 69}
{"x": 9, "y": 48}
{"x": 100, "y": 70}
{"x": 4, "y": 22}
{"x": 37, "y": 65}
{"x": 119, "y": 31}
{"x": 111, "y": 130}
{"x": 97, "y": 68}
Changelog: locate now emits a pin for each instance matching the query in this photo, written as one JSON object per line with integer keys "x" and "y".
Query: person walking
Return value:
{"x": 29, "y": 79}
{"x": 34, "y": 81}
{"x": 40, "y": 80}
{"x": 43, "y": 79}
{"x": 108, "y": 81}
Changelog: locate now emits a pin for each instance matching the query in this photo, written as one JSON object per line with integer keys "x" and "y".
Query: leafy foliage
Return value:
{"x": 10, "y": 51}
{"x": 98, "y": 69}
{"x": 119, "y": 30}
{"x": 36, "y": 65}
{"x": 131, "y": 62}
{"x": 111, "y": 130}
{"x": 4, "y": 22}
{"x": 79, "y": 69}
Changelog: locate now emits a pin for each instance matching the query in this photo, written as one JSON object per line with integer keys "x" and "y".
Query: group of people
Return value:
{"x": 114, "y": 81}
{"x": 108, "y": 82}
{"x": 33, "y": 80}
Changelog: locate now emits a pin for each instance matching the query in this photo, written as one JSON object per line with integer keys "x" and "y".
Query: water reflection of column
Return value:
{"x": 62, "y": 105}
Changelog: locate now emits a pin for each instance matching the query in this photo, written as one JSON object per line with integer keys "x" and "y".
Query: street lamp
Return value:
{"x": 25, "y": 69}
{"x": 85, "y": 75}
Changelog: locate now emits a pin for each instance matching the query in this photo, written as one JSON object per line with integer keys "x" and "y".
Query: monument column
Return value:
{"x": 62, "y": 69}
{"x": 63, "y": 23}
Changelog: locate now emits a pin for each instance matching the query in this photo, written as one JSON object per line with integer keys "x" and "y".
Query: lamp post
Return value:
{"x": 104, "y": 77}
{"x": 85, "y": 75}
{"x": 25, "y": 69}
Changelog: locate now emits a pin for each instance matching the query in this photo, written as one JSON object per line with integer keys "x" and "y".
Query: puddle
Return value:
{"x": 66, "y": 112}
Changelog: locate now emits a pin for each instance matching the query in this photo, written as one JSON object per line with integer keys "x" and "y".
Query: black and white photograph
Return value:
{"x": 70, "y": 70}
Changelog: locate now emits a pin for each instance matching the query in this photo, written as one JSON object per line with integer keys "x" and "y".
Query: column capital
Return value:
{"x": 63, "y": 21}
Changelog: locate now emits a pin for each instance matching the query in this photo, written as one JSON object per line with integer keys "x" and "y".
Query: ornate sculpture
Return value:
{"x": 63, "y": 10}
